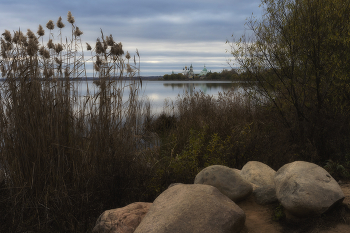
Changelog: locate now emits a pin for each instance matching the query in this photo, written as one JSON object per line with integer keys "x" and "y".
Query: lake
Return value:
{"x": 160, "y": 91}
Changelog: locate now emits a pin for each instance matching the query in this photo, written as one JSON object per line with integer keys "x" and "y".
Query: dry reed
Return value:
{"x": 66, "y": 158}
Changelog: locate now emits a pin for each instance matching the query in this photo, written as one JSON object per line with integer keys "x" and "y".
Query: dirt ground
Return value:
{"x": 260, "y": 218}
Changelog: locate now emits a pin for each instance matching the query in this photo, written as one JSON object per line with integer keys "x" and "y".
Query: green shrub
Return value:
{"x": 278, "y": 213}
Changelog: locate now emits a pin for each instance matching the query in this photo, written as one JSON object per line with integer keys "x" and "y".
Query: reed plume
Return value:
{"x": 44, "y": 52}
{"x": 99, "y": 48}
{"x": 50, "y": 44}
{"x": 88, "y": 47}
{"x": 7, "y": 36}
{"x": 70, "y": 18}
{"x": 77, "y": 32}
{"x": 30, "y": 34}
{"x": 33, "y": 46}
{"x": 58, "y": 48}
{"x": 127, "y": 56}
{"x": 128, "y": 68}
{"x": 50, "y": 25}
{"x": 117, "y": 49}
{"x": 19, "y": 38}
{"x": 110, "y": 41}
{"x": 59, "y": 23}
{"x": 40, "y": 31}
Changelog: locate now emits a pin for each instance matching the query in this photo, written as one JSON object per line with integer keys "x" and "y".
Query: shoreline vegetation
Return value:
{"x": 65, "y": 160}
{"x": 143, "y": 78}
{"x": 224, "y": 75}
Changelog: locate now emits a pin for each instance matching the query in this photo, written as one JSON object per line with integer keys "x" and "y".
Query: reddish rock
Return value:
{"x": 122, "y": 220}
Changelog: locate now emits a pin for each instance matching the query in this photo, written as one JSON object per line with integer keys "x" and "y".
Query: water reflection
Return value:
{"x": 162, "y": 93}
{"x": 205, "y": 87}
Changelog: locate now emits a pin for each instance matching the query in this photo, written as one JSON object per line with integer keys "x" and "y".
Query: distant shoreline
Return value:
{"x": 196, "y": 80}
{"x": 143, "y": 78}
{"x": 95, "y": 78}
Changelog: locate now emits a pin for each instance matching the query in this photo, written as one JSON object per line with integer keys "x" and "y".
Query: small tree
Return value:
{"x": 298, "y": 57}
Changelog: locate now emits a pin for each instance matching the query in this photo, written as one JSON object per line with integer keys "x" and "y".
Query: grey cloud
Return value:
{"x": 142, "y": 22}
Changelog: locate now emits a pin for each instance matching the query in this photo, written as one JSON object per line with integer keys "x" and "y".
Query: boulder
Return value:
{"x": 261, "y": 177}
{"x": 236, "y": 170}
{"x": 306, "y": 190}
{"x": 122, "y": 220}
{"x": 173, "y": 184}
{"x": 192, "y": 208}
{"x": 226, "y": 180}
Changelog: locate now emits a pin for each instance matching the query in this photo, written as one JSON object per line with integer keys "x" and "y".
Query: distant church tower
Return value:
{"x": 191, "y": 74}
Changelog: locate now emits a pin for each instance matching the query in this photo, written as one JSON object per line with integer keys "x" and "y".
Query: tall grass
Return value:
{"x": 66, "y": 158}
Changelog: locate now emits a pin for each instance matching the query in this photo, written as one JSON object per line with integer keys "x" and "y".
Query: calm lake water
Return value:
{"x": 160, "y": 91}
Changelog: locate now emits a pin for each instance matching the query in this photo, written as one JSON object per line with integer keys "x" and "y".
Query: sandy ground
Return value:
{"x": 259, "y": 218}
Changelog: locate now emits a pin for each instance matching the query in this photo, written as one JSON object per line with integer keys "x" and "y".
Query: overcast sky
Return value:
{"x": 169, "y": 34}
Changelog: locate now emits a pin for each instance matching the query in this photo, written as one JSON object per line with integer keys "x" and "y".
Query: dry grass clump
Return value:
{"x": 66, "y": 158}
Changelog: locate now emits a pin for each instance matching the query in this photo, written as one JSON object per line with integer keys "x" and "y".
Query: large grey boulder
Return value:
{"x": 192, "y": 208}
{"x": 226, "y": 180}
{"x": 262, "y": 178}
{"x": 122, "y": 220}
{"x": 305, "y": 189}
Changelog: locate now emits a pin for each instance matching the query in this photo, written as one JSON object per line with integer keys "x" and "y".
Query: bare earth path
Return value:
{"x": 259, "y": 218}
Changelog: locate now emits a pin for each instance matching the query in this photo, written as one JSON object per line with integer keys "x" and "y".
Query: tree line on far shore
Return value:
{"x": 223, "y": 75}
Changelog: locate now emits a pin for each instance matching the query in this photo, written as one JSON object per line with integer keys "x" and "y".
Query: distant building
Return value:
{"x": 185, "y": 71}
{"x": 188, "y": 72}
{"x": 191, "y": 74}
{"x": 203, "y": 73}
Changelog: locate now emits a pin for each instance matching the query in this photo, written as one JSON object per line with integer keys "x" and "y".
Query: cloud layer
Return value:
{"x": 168, "y": 34}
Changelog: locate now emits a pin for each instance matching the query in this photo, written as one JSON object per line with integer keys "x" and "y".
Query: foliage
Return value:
{"x": 224, "y": 75}
{"x": 337, "y": 170}
{"x": 298, "y": 58}
{"x": 216, "y": 131}
{"x": 278, "y": 213}
{"x": 178, "y": 76}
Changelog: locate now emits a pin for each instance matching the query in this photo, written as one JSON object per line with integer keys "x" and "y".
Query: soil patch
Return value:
{"x": 268, "y": 218}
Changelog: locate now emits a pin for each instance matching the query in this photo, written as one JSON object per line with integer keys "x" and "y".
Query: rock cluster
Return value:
{"x": 209, "y": 205}
{"x": 226, "y": 180}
